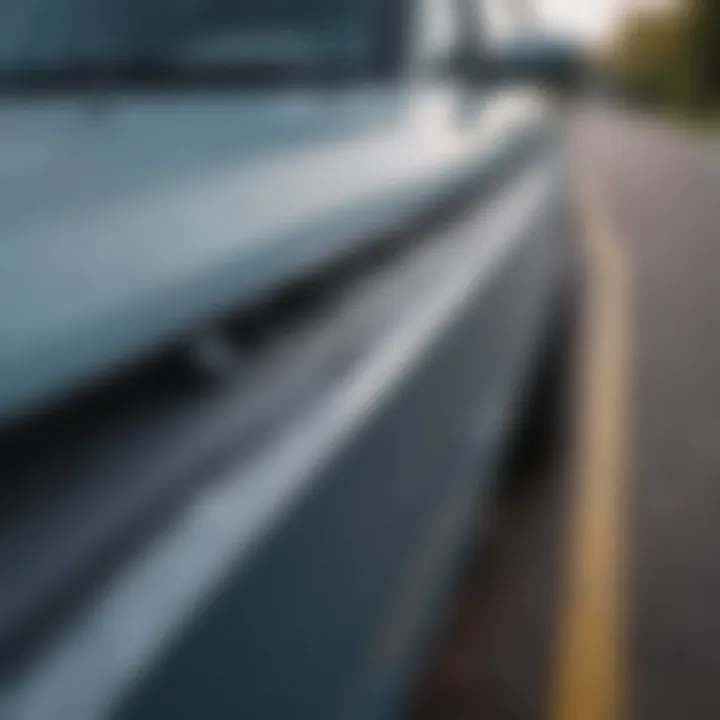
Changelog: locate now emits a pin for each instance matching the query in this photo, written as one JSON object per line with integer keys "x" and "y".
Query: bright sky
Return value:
{"x": 590, "y": 20}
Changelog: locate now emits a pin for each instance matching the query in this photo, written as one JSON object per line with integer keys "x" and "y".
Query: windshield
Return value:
{"x": 45, "y": 35}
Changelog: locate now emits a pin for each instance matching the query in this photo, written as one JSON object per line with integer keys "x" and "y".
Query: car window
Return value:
{"x": 42, "y": 33}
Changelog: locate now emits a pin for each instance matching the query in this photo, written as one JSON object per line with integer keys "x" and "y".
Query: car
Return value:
{"x": 275, "y": 277}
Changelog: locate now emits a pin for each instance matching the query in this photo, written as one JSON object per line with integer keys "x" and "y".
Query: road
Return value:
{"x": 658, "y": 190}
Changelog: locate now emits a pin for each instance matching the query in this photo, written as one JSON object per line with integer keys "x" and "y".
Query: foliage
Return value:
{"x": 669, "y": 58}
{"x": 704, "y": 48}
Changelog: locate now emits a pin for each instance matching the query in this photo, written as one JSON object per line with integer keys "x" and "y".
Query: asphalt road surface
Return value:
{"x": 496, "y": 655}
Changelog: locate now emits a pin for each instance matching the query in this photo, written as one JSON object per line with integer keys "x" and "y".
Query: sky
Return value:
{"x": 590, "y": 20}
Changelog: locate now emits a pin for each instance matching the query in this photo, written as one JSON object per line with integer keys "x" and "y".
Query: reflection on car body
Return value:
{"x": 366, "y": 238}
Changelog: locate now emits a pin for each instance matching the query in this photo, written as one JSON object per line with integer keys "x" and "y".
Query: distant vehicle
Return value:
{"x": 274, "y": 277}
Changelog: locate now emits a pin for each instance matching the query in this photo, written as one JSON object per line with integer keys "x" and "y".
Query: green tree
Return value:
{"x": 670, "y": 58}
{"x": 704, "y": 49}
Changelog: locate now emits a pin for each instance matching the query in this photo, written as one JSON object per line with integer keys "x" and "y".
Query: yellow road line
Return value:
{"x": 589, "y": 672}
